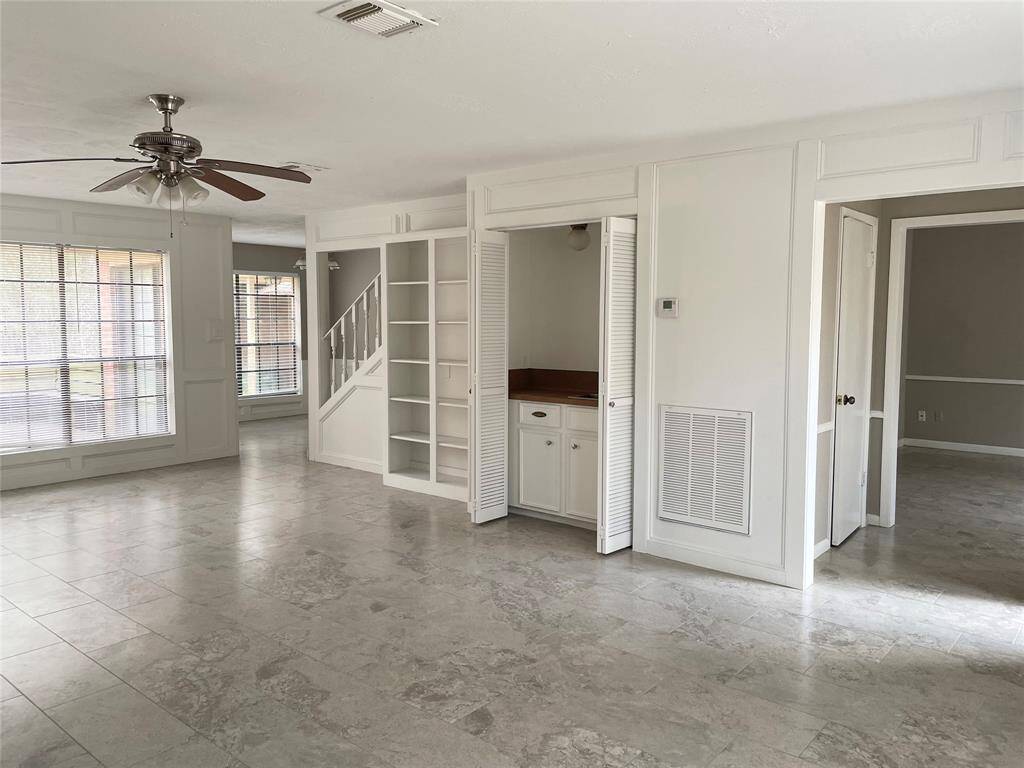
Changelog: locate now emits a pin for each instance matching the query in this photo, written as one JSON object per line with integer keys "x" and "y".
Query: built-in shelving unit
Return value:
{"x": 427, "y": 343}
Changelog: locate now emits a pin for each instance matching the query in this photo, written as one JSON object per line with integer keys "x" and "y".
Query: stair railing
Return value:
{"x": 345, "y": 331}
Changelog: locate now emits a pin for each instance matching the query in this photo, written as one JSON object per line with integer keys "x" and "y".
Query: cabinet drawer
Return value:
{"x": 540, "y": 415}
{"x": 581, "y": 419}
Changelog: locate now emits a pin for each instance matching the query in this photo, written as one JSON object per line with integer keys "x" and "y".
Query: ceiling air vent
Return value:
{"x": 704, "y": 467}
{"x": 379, "y": 18}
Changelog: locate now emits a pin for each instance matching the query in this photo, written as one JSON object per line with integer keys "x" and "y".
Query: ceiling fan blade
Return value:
{"x": 226, "y": 184}
{"x": 259, "y": 170}
{"x": 78, "y": 160}
{"x": 120, "y": 180}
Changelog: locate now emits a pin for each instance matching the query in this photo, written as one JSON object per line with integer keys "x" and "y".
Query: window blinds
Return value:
{"x": 266, "y": 334}
{"x": 83, "y": 353}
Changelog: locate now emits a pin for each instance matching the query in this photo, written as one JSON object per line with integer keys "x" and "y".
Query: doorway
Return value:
{"x": 943, "y": 397}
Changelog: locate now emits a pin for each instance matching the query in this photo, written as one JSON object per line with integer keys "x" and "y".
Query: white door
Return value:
{"x": 581, "y": 483}
{"x": 618, "y": 353}
{"x": 488, "y": 489}
{"x": 540, "y": 468}
{"x": 858, "y": 233}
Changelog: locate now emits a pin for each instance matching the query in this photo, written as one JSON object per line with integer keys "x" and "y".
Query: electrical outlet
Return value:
{"x": 937, "y": 417}
{"x": 922, "y": 415}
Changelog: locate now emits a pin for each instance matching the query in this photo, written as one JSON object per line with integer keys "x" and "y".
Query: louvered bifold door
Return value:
{"x": 490, "y": 377}
{"x": 618, "y": 355}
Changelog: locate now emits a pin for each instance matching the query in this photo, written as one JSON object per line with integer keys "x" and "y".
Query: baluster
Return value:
{"x": 366, "y": 324}
{"x": 355, "y": 339}
{"x": 334, "y": 365}
{"x": 344, "y": 354}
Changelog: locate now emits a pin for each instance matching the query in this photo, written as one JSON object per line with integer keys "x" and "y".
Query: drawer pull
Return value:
{"x": 539, "y": 414}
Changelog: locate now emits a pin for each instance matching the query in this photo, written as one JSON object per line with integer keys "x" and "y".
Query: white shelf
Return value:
{"x": 422, "y": 400}
{"x": 428, "y": 426}
{"x": 457, "y": 480}
{"x": 412, "y": 473}
{"x": 412, "y": 437}
{"x": 450, "y": 441}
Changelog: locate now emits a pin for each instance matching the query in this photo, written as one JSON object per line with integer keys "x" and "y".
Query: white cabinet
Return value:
{"x": 581, "y": 458}
{"x": 540, "y": 481}
{"x": 553, "y": 459}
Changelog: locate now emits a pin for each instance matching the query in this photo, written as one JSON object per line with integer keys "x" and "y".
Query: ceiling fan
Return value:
{"x": 173, "y": 165}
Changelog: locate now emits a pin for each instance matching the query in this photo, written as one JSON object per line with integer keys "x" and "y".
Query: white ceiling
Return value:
{"x": 498, "y": 84}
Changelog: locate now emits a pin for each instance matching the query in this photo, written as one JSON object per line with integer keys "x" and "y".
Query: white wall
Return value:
{"x": 201, "y": 323}
{"x": 733, "y": 225}
{"x": 554, "y": 297}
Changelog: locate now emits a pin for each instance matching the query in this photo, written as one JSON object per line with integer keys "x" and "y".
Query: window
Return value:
{"x": 266, "y": 334}
{"x": 83, "y": 352}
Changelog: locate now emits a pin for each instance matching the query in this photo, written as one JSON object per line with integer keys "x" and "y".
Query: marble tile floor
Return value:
{"x": 265, "y": 611}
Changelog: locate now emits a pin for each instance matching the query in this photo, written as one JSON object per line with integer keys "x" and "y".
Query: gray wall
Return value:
{"x": 273, "y": 258}
{"x": 356, "y": 270}
{"x": 965, "y": 318}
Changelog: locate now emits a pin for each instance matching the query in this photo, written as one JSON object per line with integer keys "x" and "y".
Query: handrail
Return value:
{"x": 369, "y": 285}
{"x": 350, "y": 315}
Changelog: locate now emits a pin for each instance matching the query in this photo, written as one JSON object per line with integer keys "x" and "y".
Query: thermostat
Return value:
{"x": 668, "y": 307}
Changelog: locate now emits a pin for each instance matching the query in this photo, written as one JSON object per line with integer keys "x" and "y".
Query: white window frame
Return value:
{"x": 297, "y": 395}
{"x": 169, "y": 388}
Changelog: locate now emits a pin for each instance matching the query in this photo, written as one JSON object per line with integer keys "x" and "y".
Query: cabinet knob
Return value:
{"x": 548, "y": 442}
{"x": 575, "y": 446}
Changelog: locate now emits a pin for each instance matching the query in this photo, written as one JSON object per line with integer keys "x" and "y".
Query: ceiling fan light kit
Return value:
{"x": 174, "y": 167}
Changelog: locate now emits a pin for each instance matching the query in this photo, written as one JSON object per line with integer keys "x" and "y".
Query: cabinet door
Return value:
{"x": 581, "y": 483}
{"x": 540, "y": 470}
{"x": 618, "y": 349}
{"x": 489, "y": 408}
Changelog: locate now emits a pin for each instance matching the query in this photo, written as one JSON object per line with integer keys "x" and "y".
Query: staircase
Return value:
{"x": 349, "y": 426}
{"x": 355, "y": 336}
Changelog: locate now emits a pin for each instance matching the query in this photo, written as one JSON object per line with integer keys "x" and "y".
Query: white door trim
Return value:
{"x": 894, "y": 337}
{"x": 871, "y": 221}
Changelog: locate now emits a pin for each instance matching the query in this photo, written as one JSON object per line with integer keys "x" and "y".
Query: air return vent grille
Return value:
{"x": 704, "y": 467}
{"x": 379, "y": 17}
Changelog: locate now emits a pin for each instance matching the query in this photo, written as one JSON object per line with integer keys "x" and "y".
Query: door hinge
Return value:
{"x": 863, "y": 478}
{"x": 871, "y": 259}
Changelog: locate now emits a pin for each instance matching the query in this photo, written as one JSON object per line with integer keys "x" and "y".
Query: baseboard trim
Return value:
{"x": 995, "y": 450}
{"x": 821, "y": 548}
{"x": 352, "y": 462}
{"x": 561, "y": 519}
{"x": 715, "y": 561}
